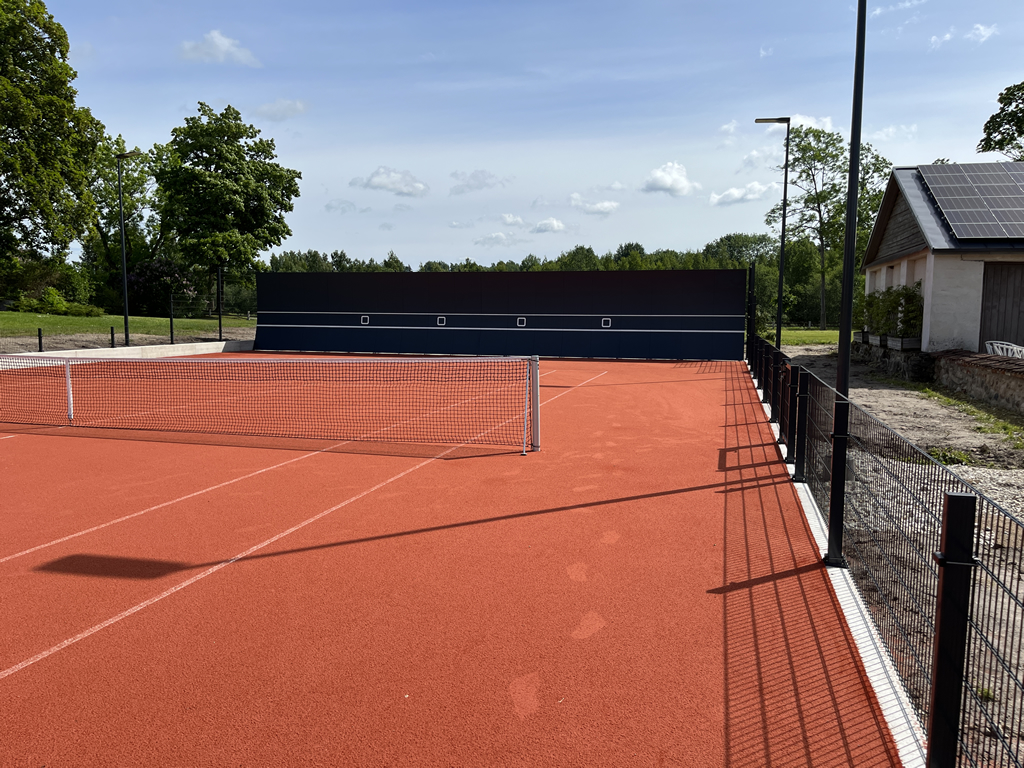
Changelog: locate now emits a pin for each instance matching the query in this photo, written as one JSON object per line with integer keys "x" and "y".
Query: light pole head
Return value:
{"x": 133, "y": 153}
{"x": 783, "y": 120}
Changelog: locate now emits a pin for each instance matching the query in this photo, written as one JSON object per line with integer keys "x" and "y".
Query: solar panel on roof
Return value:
{"x": 979, "y": 200}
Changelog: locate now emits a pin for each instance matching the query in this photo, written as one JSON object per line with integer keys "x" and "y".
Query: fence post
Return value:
{"x": 952, "y": 611}
{"x": 766, "y": 378}
{"x": 837, "y": 483}
{"x": 220, "y": 303}
{"x": 172, "y": 318}
{"x": 776, "y": 401}
{"x": 802, "y": 397}
{"x": 112, "y": 342}
{"x": 791, "y": 419}
{"x": 40, "y": 330}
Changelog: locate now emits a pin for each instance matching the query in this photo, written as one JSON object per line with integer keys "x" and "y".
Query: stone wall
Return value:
{"x": 990, "y": 378}
{"x": 910, "y": 366}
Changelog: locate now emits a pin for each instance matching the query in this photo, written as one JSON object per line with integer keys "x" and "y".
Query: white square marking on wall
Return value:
{"x": 521, "y": 322}
{"x": 606, "y": 322}
{"x": 364, "y": 320}
{"x": 440, "y": 321}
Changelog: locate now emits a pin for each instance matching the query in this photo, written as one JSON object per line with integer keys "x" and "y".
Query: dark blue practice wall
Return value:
{"x": 675, "y": 315}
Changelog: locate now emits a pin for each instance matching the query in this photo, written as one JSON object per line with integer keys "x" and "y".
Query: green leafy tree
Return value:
{"x": 1004, "y": 131}
{"x": 301, "y": 261}
{"x": 223, "y": 195}
{"x": 819, "y": 163}
{"x": 145, "y": 239}
{"x": 45, "y": 145}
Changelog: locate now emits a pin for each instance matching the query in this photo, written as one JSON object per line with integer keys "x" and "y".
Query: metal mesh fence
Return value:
{"x": 894, "y": 495}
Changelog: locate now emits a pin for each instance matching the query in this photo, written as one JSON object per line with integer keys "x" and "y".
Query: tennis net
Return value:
{"x": 485, "y": 400}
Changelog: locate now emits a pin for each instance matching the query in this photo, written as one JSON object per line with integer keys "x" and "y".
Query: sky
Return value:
{"x": 456, "y": 130}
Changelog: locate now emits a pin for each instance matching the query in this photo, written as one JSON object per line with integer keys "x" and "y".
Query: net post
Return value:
{"x": 71, "y": 397}
{"x": 535, "y": 400}
{"x": 40, "y": 332}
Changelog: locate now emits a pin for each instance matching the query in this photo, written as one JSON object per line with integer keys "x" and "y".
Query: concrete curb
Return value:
{"x": 154, "y": 350}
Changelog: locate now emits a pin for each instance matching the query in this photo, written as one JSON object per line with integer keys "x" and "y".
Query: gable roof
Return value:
{"x": 909, "y": 184}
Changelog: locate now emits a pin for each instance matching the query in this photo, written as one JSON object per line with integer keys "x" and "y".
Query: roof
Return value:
{"x": 933, "y": 217}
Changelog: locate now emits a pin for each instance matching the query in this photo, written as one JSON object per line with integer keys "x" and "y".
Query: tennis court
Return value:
{"x": 644, "y": 590}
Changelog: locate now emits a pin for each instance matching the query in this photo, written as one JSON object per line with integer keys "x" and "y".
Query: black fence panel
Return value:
{"x": 676, "y": 314}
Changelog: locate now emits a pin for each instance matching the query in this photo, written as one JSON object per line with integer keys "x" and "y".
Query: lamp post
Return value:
{"x": 782, "y": 248}
{"x": 124, "y": 259}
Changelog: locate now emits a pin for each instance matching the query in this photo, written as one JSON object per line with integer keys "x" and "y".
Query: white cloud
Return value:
{"x": 615, "y": 186}
{"x": 501, "y": 239}
{"x": 386, "y": 226}
{"x": 897, "y": 7}
{"x": 671, "y": 179}
{"x": 905, "y": 132}
{"x": 387, "y": 179}
{"x": 339, "y": 206}
{"x": 756, "y": 159}
{"x": 548, "y": 225}
{"x": 461, "y": 225}
{"x": 824, "y": 123}
{"x": 218, "y": 48}
{"x": 511, "y": 220}
{"x": 980, "y": 33}
{"x": 402, "y": 208}
{"x": 730, "y": 127}
{"x": 936, "y": 42}
{"x": 281, "y": 109}
{"x": 475, "y": 181}
{"x": 539, "y": 202}
{"x": 753, "y": 191}
{"x": 602, "y": 208}
{"x": 765, "y": 52}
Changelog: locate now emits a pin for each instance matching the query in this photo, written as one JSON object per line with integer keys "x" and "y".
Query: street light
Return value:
{"x": 124, "y": 259}
{"x": 782, "y": 249}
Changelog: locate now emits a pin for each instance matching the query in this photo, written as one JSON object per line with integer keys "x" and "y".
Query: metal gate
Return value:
{"x": 676, "y": 314}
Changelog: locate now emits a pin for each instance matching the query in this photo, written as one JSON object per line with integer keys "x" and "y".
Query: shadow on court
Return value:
{"x": 115, "y": 567}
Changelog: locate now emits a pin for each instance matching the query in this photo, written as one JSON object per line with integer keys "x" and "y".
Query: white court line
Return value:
{"x": 188, "y": 582}
{"x": 107, "y": 524}
{"x": 7, "y": 437}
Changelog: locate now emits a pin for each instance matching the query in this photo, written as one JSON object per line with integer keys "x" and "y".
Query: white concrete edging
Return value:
{"x": 151, "y": 351}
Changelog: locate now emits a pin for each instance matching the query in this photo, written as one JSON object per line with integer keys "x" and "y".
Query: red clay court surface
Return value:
{"x": 643, "y": 591}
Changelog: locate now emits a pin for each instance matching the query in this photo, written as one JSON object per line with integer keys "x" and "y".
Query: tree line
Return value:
{"x": 214, "y": 197}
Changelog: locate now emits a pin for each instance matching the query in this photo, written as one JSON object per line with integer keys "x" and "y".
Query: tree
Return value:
{"x": 1004, "y": 131}
{"x": 298, "y": 261}
{"x": 144, "y": 237}
{"x": 45, "y": 142}
{"x": 223, "y": 196}
{"x": 819, "y": 164}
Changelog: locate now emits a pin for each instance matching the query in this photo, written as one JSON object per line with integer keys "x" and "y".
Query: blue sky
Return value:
{"x": 489, "y": 130}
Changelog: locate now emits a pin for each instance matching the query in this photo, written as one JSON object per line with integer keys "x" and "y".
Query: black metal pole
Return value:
{"x": 952, "y": 612}
{"x": 751, "y": 319}
{"x": 172, "y": 318}
{"x": 775, "y": 402}
{"x": 782, "y": 248}
{"x": 841, "y": 419}
{"x": 124, "y": 258}
{"x": 220, "y": 303}
{"x": 802, "y": 397}
{"x": 112, "y": 343}
{"x": 40, "y": 330}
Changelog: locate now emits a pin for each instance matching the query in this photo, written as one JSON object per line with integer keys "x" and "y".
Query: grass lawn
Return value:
{"x": 793, "y": 336}
{"x": 26, "y": 323}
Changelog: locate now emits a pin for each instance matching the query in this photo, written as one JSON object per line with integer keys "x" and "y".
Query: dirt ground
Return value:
{"x": 997, "y": 469}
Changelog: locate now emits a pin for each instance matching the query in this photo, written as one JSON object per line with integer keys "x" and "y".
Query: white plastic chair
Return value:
{"x": 1004, "y": 348}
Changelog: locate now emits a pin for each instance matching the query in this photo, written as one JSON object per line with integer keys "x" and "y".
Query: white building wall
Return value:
{"x": 952, "y": 303}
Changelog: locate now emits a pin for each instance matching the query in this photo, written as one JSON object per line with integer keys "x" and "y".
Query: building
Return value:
{"x": 959, "y": 229}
